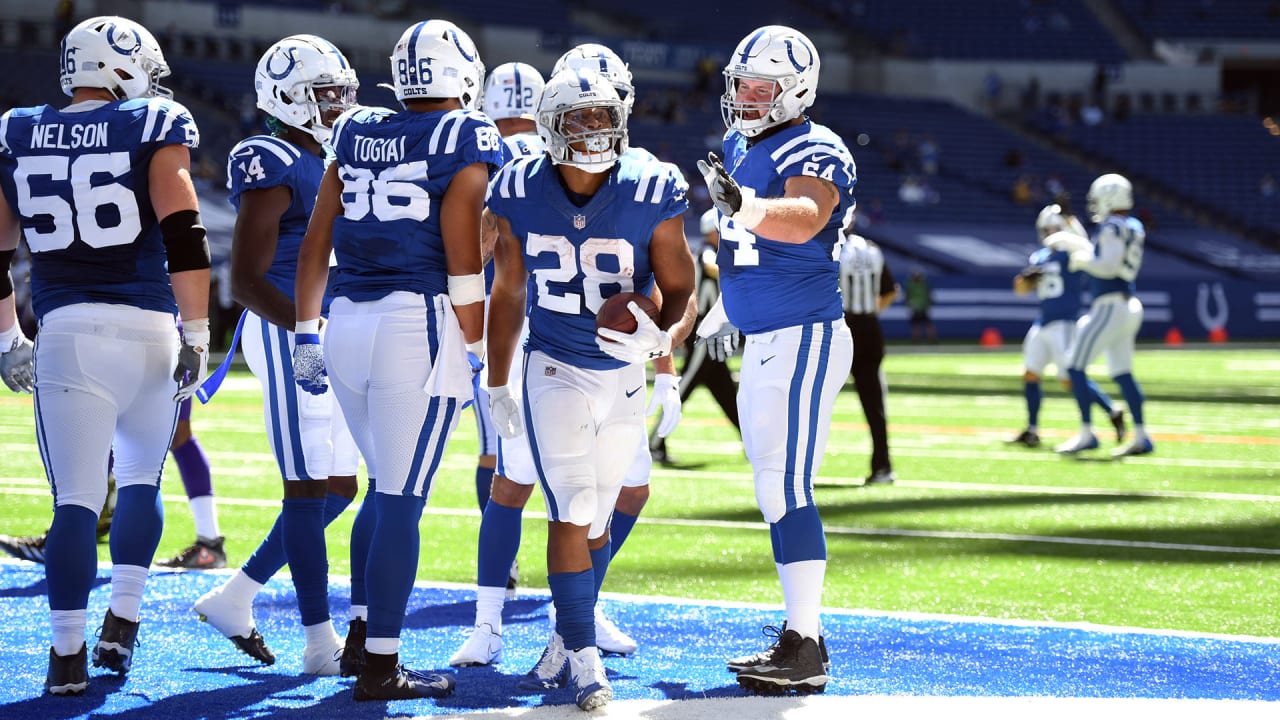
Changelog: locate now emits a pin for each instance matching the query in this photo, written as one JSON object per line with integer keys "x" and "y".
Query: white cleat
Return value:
{"x": 228, "y": 618}
{"x": 591, "y": 689}
{"x": 1137, "y": 446}
{"x": 1077, "y": 444}
{"x": 552, "y": 668}
{"x": 323, "y": 659}
{"x": 483, "y": 647}
{"x": 610, "y": 639}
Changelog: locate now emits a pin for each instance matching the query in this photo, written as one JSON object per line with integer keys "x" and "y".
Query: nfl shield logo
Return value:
{"x": 550, "y": 371}
{"x": 579, "y": 221}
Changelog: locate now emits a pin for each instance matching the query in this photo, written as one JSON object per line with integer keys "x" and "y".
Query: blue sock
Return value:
{"x": 267, "y": 560}
{"x": 619, "y": 529}
{"x": 1133, "y": 396}
{"x": 499, "y": 542}
{"x": 1034, "y": 395}
{"x": 71, "y": 556}
{"x": 800, "y": 535}
{"x": 302, "y": 531}
{"x": 1084, "y": 397}
{"x": 484, "y": 483}
{"x": 775, "y": 541}
{"x": 393, "y": 562}
{"x": 137, "y": 525}
{"x": 574, "y": 598}
{"x": 361, "y": 536}
{"x": 193, "y": 467}
{"x": 1101, "y": 398}
{"x": 600, "y": 565}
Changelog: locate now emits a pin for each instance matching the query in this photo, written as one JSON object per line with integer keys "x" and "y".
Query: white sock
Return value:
{"x": 1139, "y": 432}
{"x": 802, "y": 595}
{"x": 204, "y": 510}
{"x": 489, "y": 602}
{"x": 241, "y": 589}
{"x": 360, "y": 611}
{"x": 1033, "y": 428}
{"x": 321, "y": 634}
{"x": 382, "y": 646}
{"x": 68, "y": 630}
{"x": 127, "y": 582}
{"x": 1086, "y": 430}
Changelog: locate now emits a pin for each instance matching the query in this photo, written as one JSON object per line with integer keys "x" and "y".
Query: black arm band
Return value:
{"x": 184, "y": 241}
{"x": 6, "y": 282}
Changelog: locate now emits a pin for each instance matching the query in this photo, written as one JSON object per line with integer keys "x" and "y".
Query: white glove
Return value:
{"x": 16, "y": 366}
{"x": 504, "y": 411}
{"x": 718, "y": 333}
{"x": 193, "y": 358}
{"x": 666, "y": 395}
{"x": 738, "y": 203}
{"x": 1080, "y": 260}
{"x": 308, "y": 363}
{"x": 1063, "y": 241}
{"x": 647, "y": 343}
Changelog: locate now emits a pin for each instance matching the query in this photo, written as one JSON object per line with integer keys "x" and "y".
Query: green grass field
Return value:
{"x": 1186, "y": 539}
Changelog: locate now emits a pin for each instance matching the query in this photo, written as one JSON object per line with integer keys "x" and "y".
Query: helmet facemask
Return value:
{"x": 582, "y": 121}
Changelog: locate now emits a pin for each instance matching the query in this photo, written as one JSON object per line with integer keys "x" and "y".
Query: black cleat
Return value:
{"x": 203, "y": 554}
{"x": 1117, "y": 422}
{"x": 763, "y": 657}
{"x": 68, "y": 674}
{"x": 255, "y": 646}
{"x": 116, "y": 640}
{"x": 352, "y": 660}
{"x": 794, "y": 666}
{"x": 1028, "y": 438}
{"x": 402, "y": 684}
{"x": 30, "y": 548}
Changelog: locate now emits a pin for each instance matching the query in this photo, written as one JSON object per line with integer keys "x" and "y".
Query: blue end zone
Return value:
{"x": 184, "y": 668}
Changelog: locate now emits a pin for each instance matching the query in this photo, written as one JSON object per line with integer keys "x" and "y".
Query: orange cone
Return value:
{"x": 1218, "y": 335}
{"x": 1173, "y": 338}
{"x": 991, "y": 338}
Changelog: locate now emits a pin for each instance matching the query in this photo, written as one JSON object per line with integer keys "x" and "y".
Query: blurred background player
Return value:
{"x": 303, "y": 84}
{"x": 867, "y": 287}
{"x": 130, "y": 278}
{"x": 207, "y": 552}
{"x": 780, "y": 281}
{"x": 408, "y": 307}
{"x": 581, "y": 404}
{"x": 1051, "y": 335}
{"x": 1115, "y": 316}
{"x": 701, "y": 367}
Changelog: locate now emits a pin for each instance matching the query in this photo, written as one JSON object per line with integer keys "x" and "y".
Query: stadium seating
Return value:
{"x": 1184, "y": 19}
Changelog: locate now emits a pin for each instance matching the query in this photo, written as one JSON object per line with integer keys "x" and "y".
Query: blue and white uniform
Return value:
{"x": 1058, "y": 290}
{"x": 1115, "y": 315}
{"x": 583, "y": 408}
{"x": 785, "y": 297}
{"x": 77, "y": 180}
{"x": 308, "y": 435}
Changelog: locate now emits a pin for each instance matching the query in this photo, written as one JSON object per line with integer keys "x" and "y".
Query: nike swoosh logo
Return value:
{"x": 768, "y": 359}
{"x": 633, "y": 392}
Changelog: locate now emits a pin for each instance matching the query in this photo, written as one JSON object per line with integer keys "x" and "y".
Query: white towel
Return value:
{"x": 451, "y": 374}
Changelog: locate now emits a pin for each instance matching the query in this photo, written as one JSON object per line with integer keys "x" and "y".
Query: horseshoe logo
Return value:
{"x": 1219, "y": 318}
{"x": 125, "y": 42}
{"x": 273, "y": 74}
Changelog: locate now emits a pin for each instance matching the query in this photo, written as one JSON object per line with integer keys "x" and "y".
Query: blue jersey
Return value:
{"x": 262, "y": 162}
{"x": 768, "y": 284}
{"x": 1125, "y": 236}
{"x": 1058, "y": 288}
{"x": 524, "y": 144}
{"x": 395, "y": 168}
{"x": 78, "y": 184}
{"x": 579, "y": 256}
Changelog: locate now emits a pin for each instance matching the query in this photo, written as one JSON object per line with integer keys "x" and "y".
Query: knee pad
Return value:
{"x": 770, "y": 496}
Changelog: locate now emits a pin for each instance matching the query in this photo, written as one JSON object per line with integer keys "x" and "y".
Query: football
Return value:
{"x": 615, "y": 314}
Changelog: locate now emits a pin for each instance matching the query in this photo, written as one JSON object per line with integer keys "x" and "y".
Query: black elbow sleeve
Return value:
{"x": 185, "y": 243}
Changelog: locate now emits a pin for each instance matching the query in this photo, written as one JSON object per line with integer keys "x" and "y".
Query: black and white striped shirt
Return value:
{"x": 864, "y": 278}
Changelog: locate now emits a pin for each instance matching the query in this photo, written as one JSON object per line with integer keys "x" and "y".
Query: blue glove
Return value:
{"x": 476, "y": 366}
{"x": 308, "y": 364}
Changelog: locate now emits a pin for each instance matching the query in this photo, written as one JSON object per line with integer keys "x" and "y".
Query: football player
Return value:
{"x": 577, "y": 225}
{"x": 784, "y": 191}
{"x": 1049, "y": 337}
{"x": 101, "y": 191}
{"x": 400, "y": 206}
{"x": 207, "y": 552}
{"x": 1112, "y": 262}
{"x": 303, "y": 83}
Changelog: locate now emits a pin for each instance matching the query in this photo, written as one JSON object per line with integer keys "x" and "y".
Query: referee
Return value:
{"x": 868, "y": 288}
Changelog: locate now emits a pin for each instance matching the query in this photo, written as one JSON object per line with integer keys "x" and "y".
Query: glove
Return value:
{"x": 739, "y": 204}
{"x": 647, "y": 342}
{"x": 718, "y": 333}
{"x": 505, "y": 412}
{"x": 16, "y": 366}
{"x": 193, "y": 358}
{"x": 476, "y": 366}
{"x": 666, "y": 395}
{"x": 308, "y": 363}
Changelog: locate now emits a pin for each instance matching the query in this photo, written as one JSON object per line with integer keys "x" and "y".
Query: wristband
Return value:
{"x": 307, "y": 327}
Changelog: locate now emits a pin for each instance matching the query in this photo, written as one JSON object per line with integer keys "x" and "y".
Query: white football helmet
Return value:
{"x": 561, "y": 121}
{"x": 301, "y": 78}
{"x": 1107, "y": 194}
{"x": 436, "y": 60}
{"x": 512, "y": 91}
{"x": 776, "y": 54}
{"x": 597, "y": 57}
{"x": 1053, "y": 219}
{"x": 116, "y": 54}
